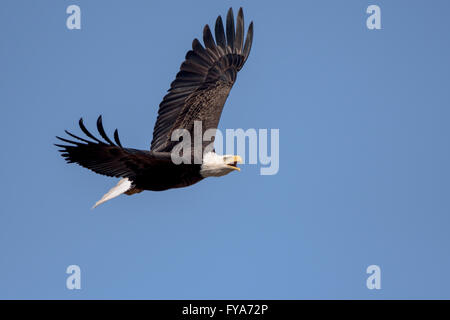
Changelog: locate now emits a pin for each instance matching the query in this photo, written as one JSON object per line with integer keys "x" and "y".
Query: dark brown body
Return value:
{"x": 167, "y": 176}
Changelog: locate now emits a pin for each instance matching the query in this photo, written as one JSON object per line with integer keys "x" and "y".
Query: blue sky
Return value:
{"x": 364, "y": 154}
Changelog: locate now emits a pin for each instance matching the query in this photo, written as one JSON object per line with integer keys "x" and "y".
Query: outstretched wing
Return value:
{"x": 204, "y": 81}
{"x": 106, "y": 157}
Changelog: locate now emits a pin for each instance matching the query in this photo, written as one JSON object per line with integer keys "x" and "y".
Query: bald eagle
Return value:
{"x": 198, "y": 93}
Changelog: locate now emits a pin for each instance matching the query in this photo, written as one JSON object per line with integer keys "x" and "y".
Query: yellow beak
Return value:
{"x": 236, "y": 159}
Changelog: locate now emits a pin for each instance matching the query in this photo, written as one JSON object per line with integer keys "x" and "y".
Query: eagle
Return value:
{"x": 197, "y": 95}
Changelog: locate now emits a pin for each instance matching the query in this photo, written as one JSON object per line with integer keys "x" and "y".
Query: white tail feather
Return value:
{"x": 123, "y": 186}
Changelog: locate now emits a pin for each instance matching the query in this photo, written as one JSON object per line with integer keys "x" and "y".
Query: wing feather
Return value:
{"x": 248, "y": 42}
{"x": 220, "y": 33}
{"x": 204, "y": 81}
{"x": 230, "y": 30}
{"x": 239, "y": 31}
{"x": 109, "y": 159}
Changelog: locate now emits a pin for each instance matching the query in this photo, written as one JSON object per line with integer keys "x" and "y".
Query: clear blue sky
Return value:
{"x": 364, "y": 153}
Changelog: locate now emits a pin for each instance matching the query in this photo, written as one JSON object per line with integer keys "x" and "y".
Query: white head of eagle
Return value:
{"x": 215, "y": 165}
